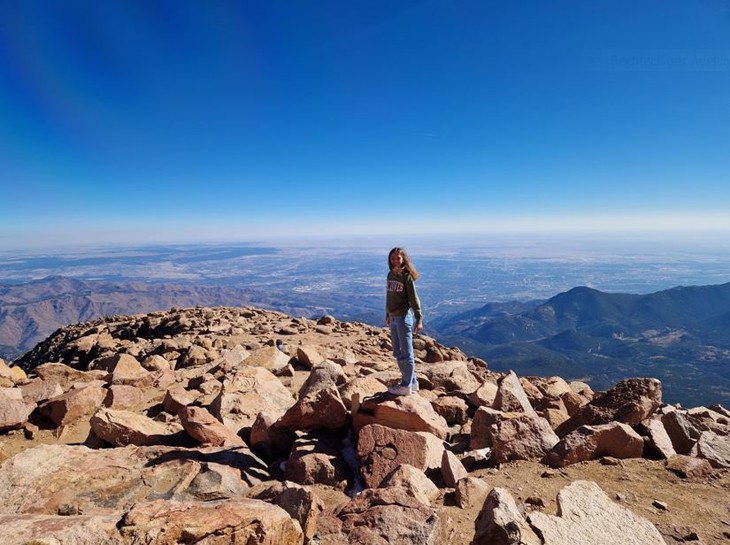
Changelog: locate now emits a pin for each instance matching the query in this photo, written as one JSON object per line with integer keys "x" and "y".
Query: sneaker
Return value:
{"x": 399, "y": 390}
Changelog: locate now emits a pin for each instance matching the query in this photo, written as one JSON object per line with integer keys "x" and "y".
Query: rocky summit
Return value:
{"x": 239, "y": 426}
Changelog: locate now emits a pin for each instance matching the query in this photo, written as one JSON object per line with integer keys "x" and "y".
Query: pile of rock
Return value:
{"x": 198, "y": 427}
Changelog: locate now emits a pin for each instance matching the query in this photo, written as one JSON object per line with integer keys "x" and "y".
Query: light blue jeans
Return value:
{"x": 401, "y": 334}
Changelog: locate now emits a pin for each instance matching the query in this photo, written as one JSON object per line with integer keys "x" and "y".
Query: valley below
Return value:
{"x": 495, "y": 301}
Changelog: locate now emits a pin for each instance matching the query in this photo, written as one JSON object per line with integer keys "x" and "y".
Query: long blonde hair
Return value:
{"x": 407, "y": 264}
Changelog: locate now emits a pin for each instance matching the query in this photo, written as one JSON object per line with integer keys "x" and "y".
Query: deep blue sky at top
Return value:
{"x": 148, "y": 119}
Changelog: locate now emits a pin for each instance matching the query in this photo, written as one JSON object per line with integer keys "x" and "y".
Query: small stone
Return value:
{"x": 678, "y": 534}
{"x": 662, "y": 506}
{"x": 611, "y": 461}
{"x": 30, "y": 430}
{"x": 67, "y": 510}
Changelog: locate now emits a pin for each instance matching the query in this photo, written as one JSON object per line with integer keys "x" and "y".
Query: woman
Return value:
{"x": 401, "y": 299}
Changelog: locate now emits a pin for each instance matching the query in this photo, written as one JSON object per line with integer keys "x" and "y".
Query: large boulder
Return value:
{"x": 485, "y": 395}
{"x": 11, "y": 376}
{"x": 301, "y": 502}
{"x": 124, "y": 396}
{"x": 268, "y": 440}
{"x": 658, "y": 443}
{"x": 319, "y": 405}
{"x": 629, "y": 402}
{"x": 39, "y": 390}
{"x": 268, "y": 357}
{"x": 194, "y": 355}
{"x": 551, "y": 387}
{"x": 452, "y": 470}
{"x": 683, "y": 429}
{"x": 122, "y": 368}
{"x": 205, "y": 429}
{"x": 511, "y": 396}
{"x": 471, "y": 492}
{"x": 688, "y": 466}
{"x": 66, "y": 375}
{"x": 501, "y": 523}
{"x": 412, "y": 413}
{"x": 386, "y": 515}
{"x": 714, "y": 448}
{"x": 453, "y": 409}
{"x": 309, "y": 356}
{"x": 450, "y": 376}
{"x": 512, "y": 436}
{"x": 317, "y": 459}
{"x": 414, "y": 481}
{"x": 245, "y": 394}
{"x": 14, "y": 410}
{"x": 121, "y": 428}
{"x": 81, "y": 400}
{"x": 382, "y": 449}
{"x": 361, "y": 387}
{"x": 591, "y": 442}
{"x": 178, "y": 397}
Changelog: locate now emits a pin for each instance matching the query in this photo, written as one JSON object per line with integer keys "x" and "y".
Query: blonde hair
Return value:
{"x": 407, "y": 264}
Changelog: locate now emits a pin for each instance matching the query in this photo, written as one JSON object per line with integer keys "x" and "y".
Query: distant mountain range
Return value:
{"x": 30, "y": 312}
{"x": 680, "y": 335}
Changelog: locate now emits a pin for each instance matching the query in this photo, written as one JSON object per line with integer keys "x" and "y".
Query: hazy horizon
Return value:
{"x": 461, "y": 271}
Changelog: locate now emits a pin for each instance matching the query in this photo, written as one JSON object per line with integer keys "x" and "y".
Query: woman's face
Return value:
{"x": 396, "y": 260}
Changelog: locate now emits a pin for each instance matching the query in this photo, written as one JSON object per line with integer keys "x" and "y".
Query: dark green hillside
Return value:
{"x": 584, "y": 308}
{"x": 683, "y": 306}
{"x": 570, "y": 340}
{"x": 716, "y": 330}
{"x": 699, "y": 310}
{"x": 516, "y": 328}
{"x": 680, "y": 335}
{"x": 457, "y": 322}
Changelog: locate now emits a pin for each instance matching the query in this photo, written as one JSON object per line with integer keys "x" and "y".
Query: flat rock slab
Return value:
{"x": 411, "y": 413}
{"x": 715, "y": 449}
{"x": 52, "y": 477}
{"x": 230, "y": 522}
{"x": 57, "y": 530}
{"x": 587, "y": 515}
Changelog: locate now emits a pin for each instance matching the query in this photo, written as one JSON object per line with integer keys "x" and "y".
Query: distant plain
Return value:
{"x": 345, "y": 277}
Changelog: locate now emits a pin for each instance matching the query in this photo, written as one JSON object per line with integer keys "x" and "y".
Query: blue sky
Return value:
{"x": 171, "y": 120}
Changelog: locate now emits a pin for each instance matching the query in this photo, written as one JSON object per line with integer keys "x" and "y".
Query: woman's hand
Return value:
{"x": 419, "y": 328}
{"x": 387, "y": 321}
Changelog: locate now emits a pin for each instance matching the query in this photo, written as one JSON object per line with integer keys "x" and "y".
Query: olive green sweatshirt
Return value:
{"x": 401, "y": 295}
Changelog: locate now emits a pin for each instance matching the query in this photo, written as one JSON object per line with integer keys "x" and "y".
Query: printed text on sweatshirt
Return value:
{"x": 401, "y": 295}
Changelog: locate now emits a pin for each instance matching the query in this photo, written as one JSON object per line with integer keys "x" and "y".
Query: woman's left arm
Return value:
{"x": 415, "y": 303}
